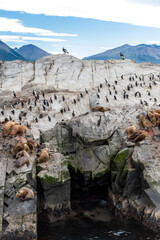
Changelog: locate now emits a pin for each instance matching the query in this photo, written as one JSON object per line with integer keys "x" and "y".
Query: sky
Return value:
{"x": 83, "y": 27}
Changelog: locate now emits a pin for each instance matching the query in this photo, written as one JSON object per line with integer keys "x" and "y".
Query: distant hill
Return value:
{"x": 31, "y": 52}
{"x": 8, "y": 54}
{"x": 139, "y": 53}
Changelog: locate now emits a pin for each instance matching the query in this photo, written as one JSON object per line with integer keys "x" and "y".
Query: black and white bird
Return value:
{"x": 49, "y": 118}
{"x": 65, "y": 50}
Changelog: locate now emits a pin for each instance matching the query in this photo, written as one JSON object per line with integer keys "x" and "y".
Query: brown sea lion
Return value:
{"x": 44, "y": 156}
{"x": 25, "y": 194}
{"x": 100, "y": 109}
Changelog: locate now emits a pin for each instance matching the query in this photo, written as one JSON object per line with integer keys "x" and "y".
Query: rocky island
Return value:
{"x": 89, "y": 151}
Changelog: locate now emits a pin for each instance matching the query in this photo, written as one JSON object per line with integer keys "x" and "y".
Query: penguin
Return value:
{"x": 107, "y": 100}
{"x": 29, "y": 101}
{"x": 2, "y": 112}
{"x": 61, "y": 111}
{"x": 43, "y": 94}
{"x": 130, "y": 78}
{"x": 51, "y": 101}
{"x": 106, "y": 80}
{"x": 140, "y": 84}
{"x": 49, "y": 118}
{"x": 47, "y": 104}
{"x": 86, "y": 91}
{"x": 113, "y": 87}
{"x": 35, "y": 103}
{"x": 133, "y": 78}
{"x": 99, "y": 90}
{"x": 109, "y": 85}
{"x": 64, "y": 109}
{"x": 141, "y": 102}
{"x": 154, "y": 83}
{"x": 13, "y": 112}
{"x": 28, "y": 126}
{"x": 34, "y": 93}
{"x": 116, "y": 82}
{"x": 44, "y": 101}
{"x": 99, "y": 121}
{"x": 30, "y": 108}
{"x": 10, "y": 118}
{"x": 121, "y": 76}
{"x": 115, "y": 98}
{"x": 20, "y": 118}
{"x": 150, "y": 86}
{"x": 128, "y": 88}
{"x": 74, "y": 101}
{"x": 12, "y": 106}
{"x": 110, "y": 93}
{"x": 127, "y": 96}
{"x": 24, "y": 114}
{"x": 136, "y": 84}
{"x": 145, "y": 103}
{"x": 41, "y": 115}
{"x": 81, "y": 95}
{"x": 63, "y": 98}
{"x": 155, "y": 99}
{"x": 55, "y": 97}
{"x": 116, "y": 92}
{"x": 100, "y": 85}
{"x": 36, "y": 119}
{"x": 73, "y": 114}
{"x": 69, "y": 109}
{"x": 4, "y": 106}
{"x": 22, "y": 104}
{"x": 149, "y": 94}
{"x": 14, "y": 94}
{"x": 44, "y": 108}
{"x": 98, "y": 95}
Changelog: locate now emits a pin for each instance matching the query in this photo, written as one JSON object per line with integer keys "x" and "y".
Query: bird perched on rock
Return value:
{"x": 65, "y": 51}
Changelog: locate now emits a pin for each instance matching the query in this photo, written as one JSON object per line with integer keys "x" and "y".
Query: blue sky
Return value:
{"x": 84, "y": 28}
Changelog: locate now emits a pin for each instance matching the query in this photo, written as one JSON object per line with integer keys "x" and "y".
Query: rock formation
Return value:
{"x": 54, "y": 99}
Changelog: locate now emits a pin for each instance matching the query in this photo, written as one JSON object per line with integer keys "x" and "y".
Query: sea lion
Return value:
{"x": 142, "y": 135}
{"x": 7, "y": 127}
{"x": 151, "y": 117}
{"x": 32, "y": 144}
{"x": 25, "y": 194}
{"x": 18, "y": 129}
{"x": 44, "y": 156}
{"x": 144, "y": 123}
{"x": 24, "y": 158}
{"x": 131, "y": 130}
{"x": 100, "y": 109}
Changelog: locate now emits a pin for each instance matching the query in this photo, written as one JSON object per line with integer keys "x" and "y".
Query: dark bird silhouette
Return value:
{"x": 44, "y": 101}
{"x": 74, "y": 101}
{"x": 63, "y": 98}
{"x": 110, "y": 93}
{"x": 98, "y": 95}
{"x": 29, "y": 101}
{"x": 116, "y": 82}
{"x": 127, "y": 96}
{"x": 24, "y": 114}
{"x": 113, "y": 87}
{"x": 73, "y": 114}
{"x": 155, "y": 99}
{"x": 2, "y": 112}
{"x": 99, "y": 121}
{"x": 47, "y": 104}
{"x": 13, "y": 112}
{"x": 35, "y": 103}
{"x": 122, "y": 56}
{"x": 43, "y": 94}
{"x": 121, "y": 76}
{"x": 128, "y": 88}
{"x": 145, "y": 103}
{"x": 51, "y": 101}
{"x": 99, "y": 90}
{"x": 14, "y": 94}
{"x": 49, "y": 118}
{"x": 36, "y": 119}
{"x": 44, "y": 108}
{"x": 81, "y": 95}
{"x": 86, "y": 91}
{"x": 107, "y": 100}
{"x": 34, "y": 93}
{"x": 115, "y": 91}
{"x": 100, "y": 85}
{"x": 149, "y": 94}
{"x": 20, "y": 118}
{"x": 69, "y": 109}
{"x": 109, "y": 85}
{"x": 65, "y": 50}
{"x": 150, "y": 86}
{"x": 154, "y": 83}
{"x": 115, "y": 98}
{"x": 10, "y": 118}
{"x": 30, "y": 108}
{"x": 28, "y": 126}
{"x": 22, "y": 104}
{"x": 136, "y": 84}
{"x": 41, "y": 115}
{"x": 55, "y": 97}
{"x": 61, "y": 111}
{"x": 141, "y": 102}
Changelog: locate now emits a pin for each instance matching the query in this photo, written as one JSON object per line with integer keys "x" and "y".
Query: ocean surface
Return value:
{"x": 84, "y": 228}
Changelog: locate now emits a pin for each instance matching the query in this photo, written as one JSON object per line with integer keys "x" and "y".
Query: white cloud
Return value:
{"x": 16, "y": 26}
{"x": 126, "y": 11}
{"x": 153, "y": 42}
{"x": 9, "y": 38}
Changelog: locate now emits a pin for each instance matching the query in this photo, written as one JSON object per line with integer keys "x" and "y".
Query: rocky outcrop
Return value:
{"x": 88, "y": 150}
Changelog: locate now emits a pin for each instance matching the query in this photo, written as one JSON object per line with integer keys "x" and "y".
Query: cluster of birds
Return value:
{"x": 42, "y": 105}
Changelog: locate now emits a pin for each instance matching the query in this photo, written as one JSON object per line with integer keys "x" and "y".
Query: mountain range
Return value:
{"x": 139, "y": 53}
{"x": 26, "y": 53}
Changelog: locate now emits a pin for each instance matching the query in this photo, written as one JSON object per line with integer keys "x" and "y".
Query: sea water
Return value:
{"x": 84, "y": 228}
